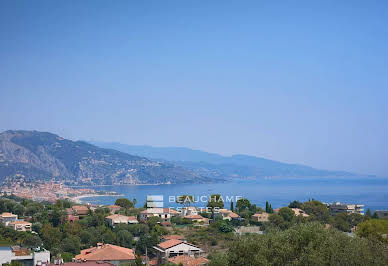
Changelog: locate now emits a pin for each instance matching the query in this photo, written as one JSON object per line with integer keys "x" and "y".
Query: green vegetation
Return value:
{"x": 303, "y": 244}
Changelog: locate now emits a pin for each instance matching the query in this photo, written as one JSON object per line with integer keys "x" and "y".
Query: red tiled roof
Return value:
{"x": 179, "y": 237}
{"x": 106, "y": 252}
{"x": 170, "y": 243}
{"x": 188, "y": 261}
{"x": 193, "y": 216}
{"x": 85, "y": 263}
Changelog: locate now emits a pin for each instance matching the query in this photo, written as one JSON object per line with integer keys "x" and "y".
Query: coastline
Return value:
{"x": 78, "y": 199}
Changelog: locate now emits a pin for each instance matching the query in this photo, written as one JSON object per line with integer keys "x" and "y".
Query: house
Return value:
{"x": 176, "y": 247}
{"x": 84, "y": 263}
{"x": 227, "y": 214}
{"x": 197, "y": 218}
{"x": 298, "y": 212}
{"x": 338, "y": 207}
{"x": 115, "y": 219}
{"x": 260, "y": 217}
{"x": 113, "y": 208}
{"x": 382, "y": 214}
{"x": 188, "y": 211}
{"x": 23, "y": 255}
{"x": 164, "y": 213}
{"x": 188, "y": 261}
{"x": 80, "y": 210}
{"x": 72, "y": 218}
{"x": 169, "y": 237}
{"x": 107, "y": 253}
{"x": 7, "y": 217}
{"x": 20, "y": 226}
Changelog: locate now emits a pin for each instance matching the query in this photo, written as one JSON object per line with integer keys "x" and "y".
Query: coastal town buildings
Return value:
{"x": 106, "y": 253}
{"x": 197, "y": 218}
{"x": 26, "y": 257}
{"x": 338, "y": 207}
{"x": 80, "y": 210}
{"x": 116, "y": 219}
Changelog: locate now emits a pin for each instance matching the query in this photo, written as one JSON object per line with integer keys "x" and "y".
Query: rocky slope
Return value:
{"x": 33, "y": 155}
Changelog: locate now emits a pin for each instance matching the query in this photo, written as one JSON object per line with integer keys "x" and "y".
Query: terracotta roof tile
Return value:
{"x": 106, "y": 252}
{"x": 170, "y": 243}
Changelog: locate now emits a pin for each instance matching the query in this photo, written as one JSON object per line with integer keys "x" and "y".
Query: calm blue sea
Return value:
{"x": 372, "y": 192}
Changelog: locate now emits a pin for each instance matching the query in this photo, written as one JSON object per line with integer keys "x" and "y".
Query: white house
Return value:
{"x": 24, "y": 256}
{"x": 120, "y": 219}
{"x": 7, "y": 217}
{"x": 176, "y": 247}
{"x": 163, "y": 213}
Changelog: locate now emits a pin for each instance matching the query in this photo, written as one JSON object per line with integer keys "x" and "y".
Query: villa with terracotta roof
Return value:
{"x": 107, "y": 253}
{"x": 197, "y": 218}
{"x": 260, "y": 217}
{"x": 7, "y": 217}
{"x": 188, "y": 261}
{"x": 20, "y": 226}
{"x": 163, "y": 213}
{"x": 176, "y": 247}
{"x": 115, "y": 219}
{"x": 80, "y": 210}
{"x": 297, "y": 212}
{"x": 169, "y": 237}
{"x": 227, "y": 214}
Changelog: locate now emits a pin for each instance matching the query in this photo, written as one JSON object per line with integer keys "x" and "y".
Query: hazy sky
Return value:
{"x": 295, "y": 81}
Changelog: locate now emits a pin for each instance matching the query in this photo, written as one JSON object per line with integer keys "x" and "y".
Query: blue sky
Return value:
{"x": 295, "y": 81}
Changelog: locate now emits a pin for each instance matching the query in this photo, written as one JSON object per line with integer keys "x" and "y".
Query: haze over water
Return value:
{"x": 372, "y": 192}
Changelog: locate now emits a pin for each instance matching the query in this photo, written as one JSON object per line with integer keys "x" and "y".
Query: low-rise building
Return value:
{"x": 299, "y": 212}
{"x": 169, "y": 237}
{"x": 7, "y": 217}
{"x": 163, "y": 213}
{"x": 260, "y": 217}
{"x": 226, "y": 214}
{"x": 382, "y": 214}
{"x": 176, "y": 247}
{"x": 80, "y": 210}
{"x": 20, "y": 226}
{"x": 25, "y": 256}
{"x": 116, "y": 219}
{"x": 338, "y": 207}
{"x": 107, "y": 253}
{"x": 197, "y": 218}
{"x": 188, "y": 211}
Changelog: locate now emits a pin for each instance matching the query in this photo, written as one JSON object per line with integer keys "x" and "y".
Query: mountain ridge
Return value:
{"x": 238, "y": 165}
{"x": 35, "y": 155}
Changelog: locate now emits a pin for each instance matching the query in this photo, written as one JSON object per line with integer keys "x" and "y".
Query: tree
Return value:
{"x": 243, "y": 204}
{"x": 317, "y": 210}
{"x": 124, "y": 238}
{"x": 305, "y": 244}
{"x": 375, "y": 229}
{"x": 185, "y": 200}
{"x": 215, "y": 201}
{"x": 32, "y": 241}
{"x": 368, "y": 213}
{"x": 51, "y": 236}
{"x": 296, "y": 204}
{"x": 225, "y": 227}
{"x": 231, "y": 206}
{"x": 286, "y": 213}
{"x": 71, "y": 244}
{"x": 124, "y": 203}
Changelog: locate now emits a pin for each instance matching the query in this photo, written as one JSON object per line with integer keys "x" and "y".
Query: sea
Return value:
{"x": 279, "y": 192}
